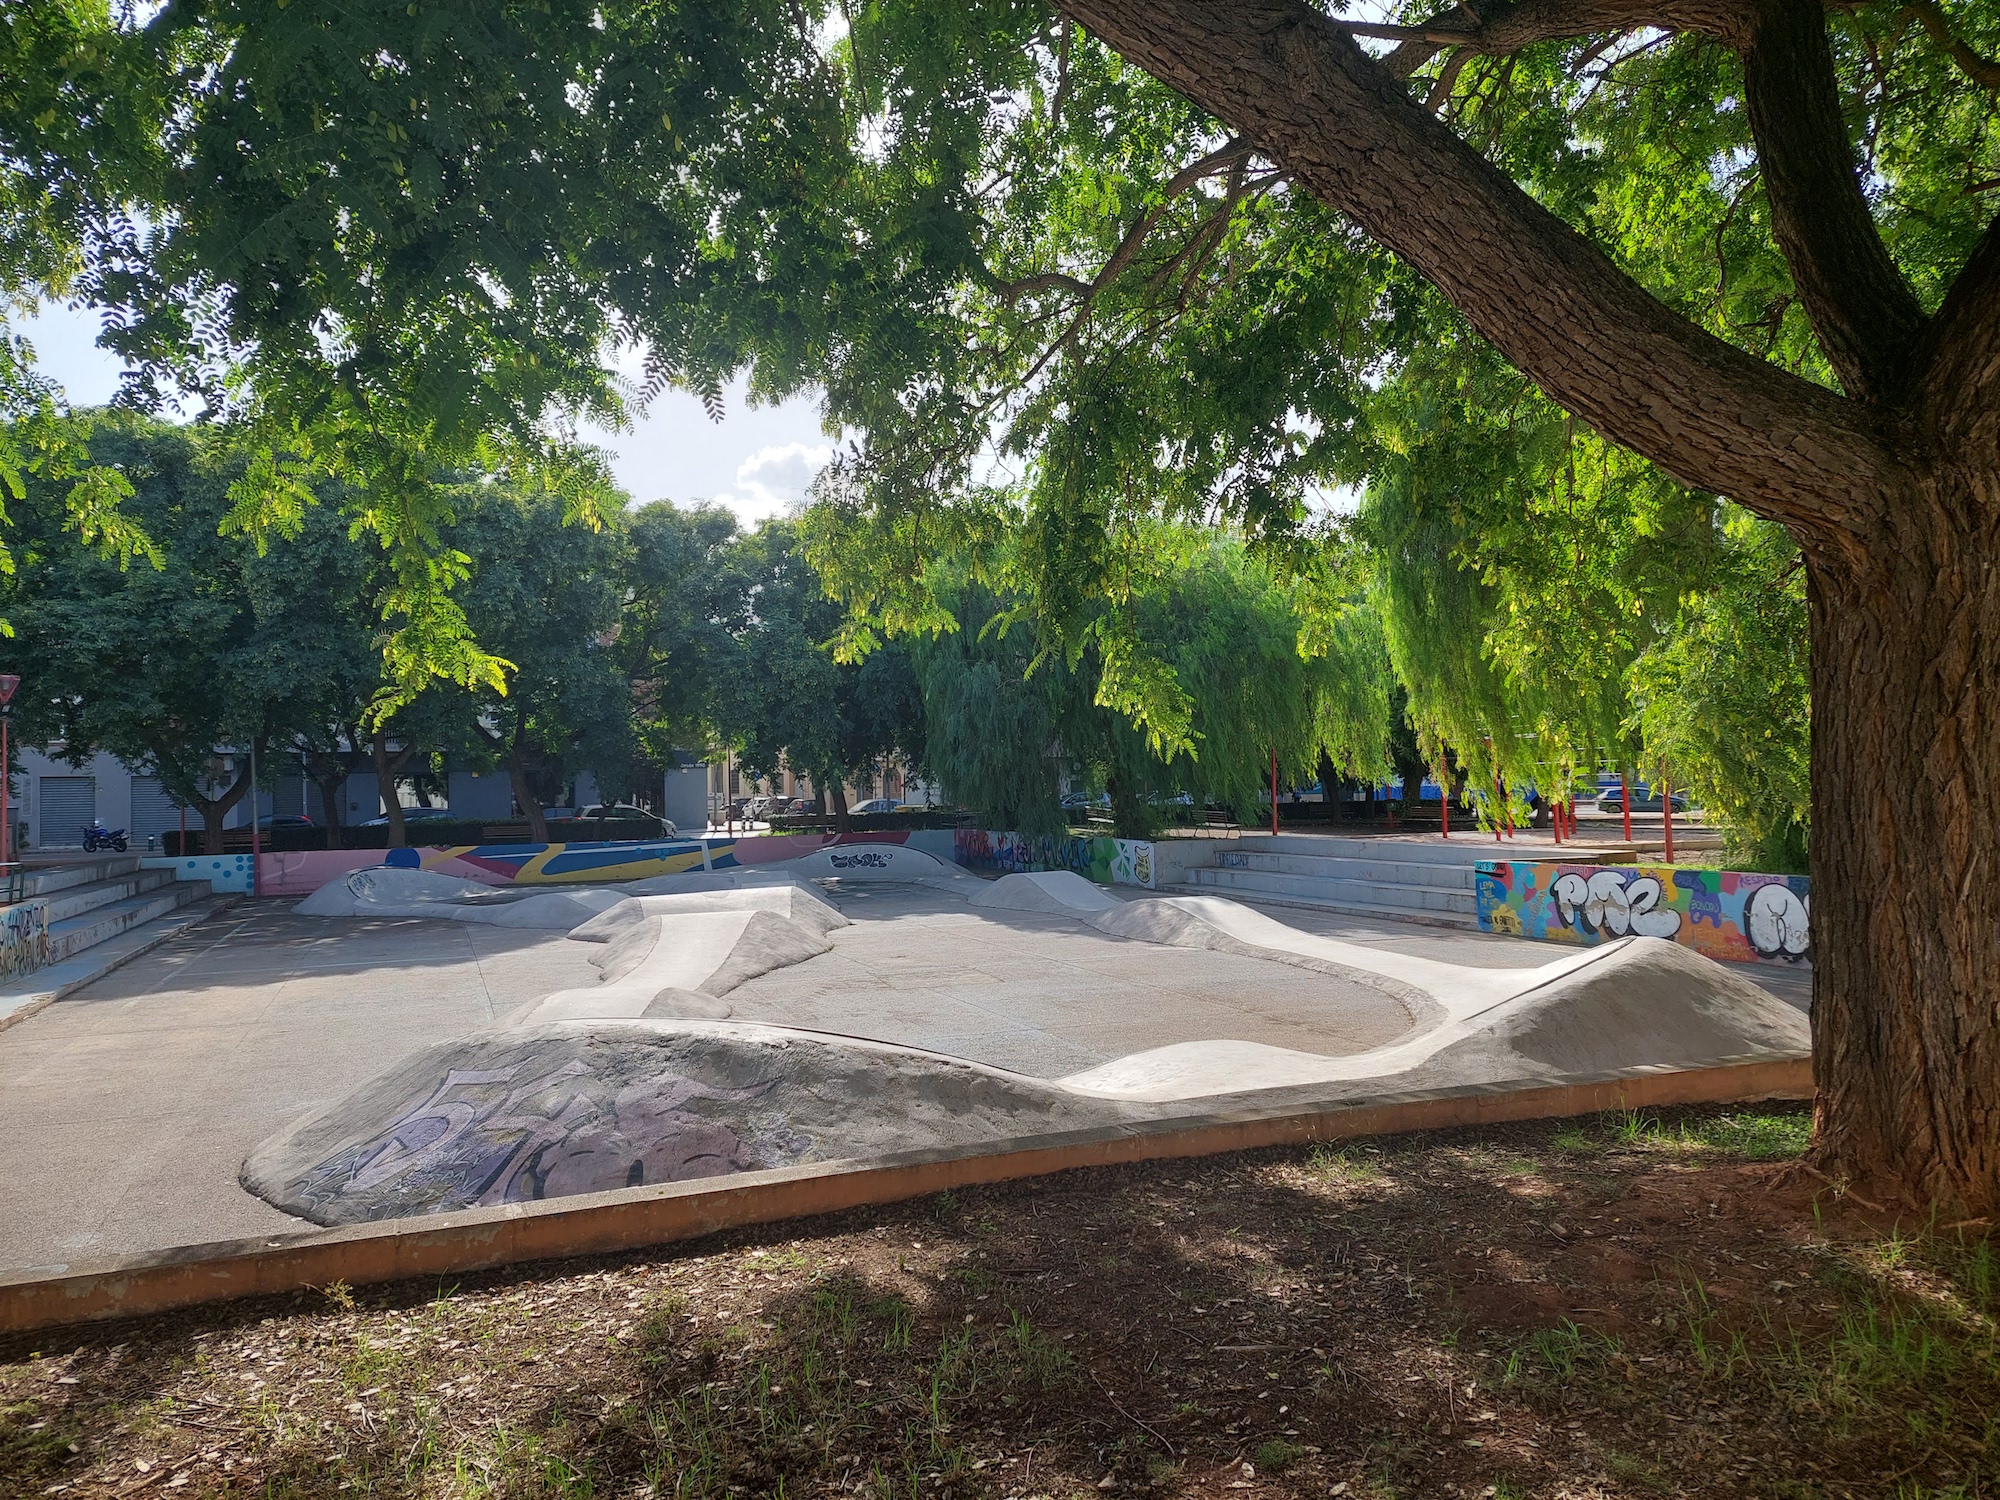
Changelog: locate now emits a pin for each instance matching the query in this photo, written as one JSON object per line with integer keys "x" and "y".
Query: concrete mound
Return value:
{"x": 1062, "y": 892}
{"x": 877, "y": 862}
{"x": 583, "y": 1108}
{"x": 1637, "y": 1003}
{"x": 731, "y": 878}
{"x": 793, "y": 899}
{"x": 710, "y": 952}
{"x": 383, "y": 891}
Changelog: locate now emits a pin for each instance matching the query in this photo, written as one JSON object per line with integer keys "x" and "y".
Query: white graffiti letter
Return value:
{"x": 1644, "y": 894}
{"x": 1609, "y": 909}
{"x": 1777, "y": 922}
{"x": 1570, "y": 893}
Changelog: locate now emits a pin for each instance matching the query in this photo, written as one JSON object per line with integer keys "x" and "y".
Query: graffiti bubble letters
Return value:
{"x": 1777, "y": 922}
{"x": 1613, "y": 902}
{"x": 872, "y": 859}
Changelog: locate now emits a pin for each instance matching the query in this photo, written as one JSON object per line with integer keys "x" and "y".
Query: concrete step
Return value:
{"x": 1261, "y": 885}
{"x": 1385, "y": 849}
{"x": 102, "y": 923}
{"x": 1463, "y": 921}
{"x": 45, "y": 880}
{"x": 74, "y": 900}
{"x": 1342, "y": 867}
{"x": 21, "y": 996}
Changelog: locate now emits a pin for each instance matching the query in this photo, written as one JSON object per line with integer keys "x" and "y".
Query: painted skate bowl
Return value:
{"x": 644, "y": 1079}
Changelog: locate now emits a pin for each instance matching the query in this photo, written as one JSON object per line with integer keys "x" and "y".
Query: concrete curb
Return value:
{"x": 633, "y": 1218}
{"x": 15, "y": 1006}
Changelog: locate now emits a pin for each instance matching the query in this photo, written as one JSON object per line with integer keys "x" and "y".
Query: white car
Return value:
{"x": 875, "y": 805}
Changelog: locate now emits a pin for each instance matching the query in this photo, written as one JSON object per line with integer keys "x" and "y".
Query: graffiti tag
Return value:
{"x": 1611, "y": 902}
{"x": 872, "y": 859}
{"x": 1778, "y": 922}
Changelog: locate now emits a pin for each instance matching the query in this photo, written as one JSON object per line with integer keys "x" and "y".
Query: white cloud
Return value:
{"x": 774, "y": 479}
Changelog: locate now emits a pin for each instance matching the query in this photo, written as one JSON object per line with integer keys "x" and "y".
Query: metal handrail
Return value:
{"x": 13, "y": 882}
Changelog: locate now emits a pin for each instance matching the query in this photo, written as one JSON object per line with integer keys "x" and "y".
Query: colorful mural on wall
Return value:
{"x": 300, "y": 872}
{"x": 24, "y": 938}
{"x": 1105, "y": 860}
{"x": 1734, "y": 917}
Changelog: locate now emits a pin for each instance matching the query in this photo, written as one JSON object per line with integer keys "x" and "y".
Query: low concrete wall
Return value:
{"x": 1727, "y": 915}
{"x": 480, "y": 1239}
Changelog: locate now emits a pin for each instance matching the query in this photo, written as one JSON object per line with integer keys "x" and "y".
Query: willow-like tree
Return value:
{"x": 1887, "y": 474}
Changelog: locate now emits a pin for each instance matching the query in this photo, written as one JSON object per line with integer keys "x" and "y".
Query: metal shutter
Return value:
{"x": 69, "y": 805}
{"x": 154, "y": 812}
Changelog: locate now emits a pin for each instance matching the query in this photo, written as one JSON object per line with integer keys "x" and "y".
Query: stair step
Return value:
{"x": 44, "y": 880}
{"x": 1388, "y": 895}
{"x": 1457, "y": 852}
{"x": 1459, "y": 920}
{"x": 74, "y": 900}
{"x": 101, "y": 923}
{"x": 1341, "y": 867}
{"x": 22, "y": 995}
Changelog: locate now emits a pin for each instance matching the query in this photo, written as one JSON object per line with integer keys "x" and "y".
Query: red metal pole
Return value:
{"x": 255, "y": 851}
{"x": 1498, "y": 795}
{"x": 1625, "y": 800}
{"x": 1556, "y": 821}
{"x": 1274, "y": 791}
{"x": 1444, "y": 800}
{"x": 1667, "y": 810}
{"x": 6, "y": 797}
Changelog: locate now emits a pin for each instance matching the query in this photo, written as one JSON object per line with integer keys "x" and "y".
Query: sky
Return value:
{"x": 757, "y": 460}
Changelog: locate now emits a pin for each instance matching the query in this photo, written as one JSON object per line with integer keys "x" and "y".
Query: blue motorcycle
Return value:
{"x": 97, "y": 836}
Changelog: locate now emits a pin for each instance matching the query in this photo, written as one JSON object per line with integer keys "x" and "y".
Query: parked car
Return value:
{"x": 1644, "y": 799}
{"x": 412, "y": 815}
{"x": 625, "y": 812}
{"x": 760, "y": 808}
{"x": 287, "y": 820}
{"x": 875, "y": 805}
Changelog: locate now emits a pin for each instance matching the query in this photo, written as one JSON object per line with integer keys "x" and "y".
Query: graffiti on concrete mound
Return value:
{"x": 1726, "y": 914}
{"x": 482, "y": 1138}
{"x": 1107, "y": 861}
{"x": 866, "y": 859}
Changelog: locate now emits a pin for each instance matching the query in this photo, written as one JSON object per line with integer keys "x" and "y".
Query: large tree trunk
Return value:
{"x": 836, "y": 801}
{"x": 1906, "y": 855}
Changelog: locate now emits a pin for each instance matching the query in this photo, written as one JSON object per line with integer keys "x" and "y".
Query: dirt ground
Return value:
{"x": 1630, "y": 1306}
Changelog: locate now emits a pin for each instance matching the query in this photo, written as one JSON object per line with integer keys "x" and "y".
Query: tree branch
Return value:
{"x": 1930, "y": 15}
{"x": 1959, "y": 364}
{"x": 1867, "y": 318}
{"x": 1711, "y": 414}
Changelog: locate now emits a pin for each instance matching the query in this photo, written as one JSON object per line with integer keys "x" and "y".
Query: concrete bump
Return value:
{"x": 555, "y": 1111}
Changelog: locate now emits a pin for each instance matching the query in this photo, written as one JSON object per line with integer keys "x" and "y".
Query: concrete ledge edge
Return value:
{"x": 635, "y": 1218}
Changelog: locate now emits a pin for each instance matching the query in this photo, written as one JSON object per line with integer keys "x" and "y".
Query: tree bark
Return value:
{"x": 1906, "y": 854}
{"x": 524, "y": 792}
{"x": 836, "y": 798}
{"x": 386, "y": 767}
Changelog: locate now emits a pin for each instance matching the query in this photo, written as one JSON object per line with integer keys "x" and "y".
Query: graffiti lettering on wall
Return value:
{"x": 1104, "y": 860}
{"x": 24, "y": 938}
{"x": 1735, "y": 917}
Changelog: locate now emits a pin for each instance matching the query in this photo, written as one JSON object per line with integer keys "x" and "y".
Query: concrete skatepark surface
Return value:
{"x": 141, "y": 1095}
{"x": 627, "y": 1083}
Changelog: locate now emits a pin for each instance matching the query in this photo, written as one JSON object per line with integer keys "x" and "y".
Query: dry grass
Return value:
{"x": 1613, "y": 1307}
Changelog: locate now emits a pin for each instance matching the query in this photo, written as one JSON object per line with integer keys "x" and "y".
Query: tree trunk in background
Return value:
{"x": 836, "y": 796}
{"x": 524, "y": 794}
{"x": 1906, "y": 855}
{"x": 214, "y": 810}
{"x": 329, "y": 774}
{"x": 386, "y": 768}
